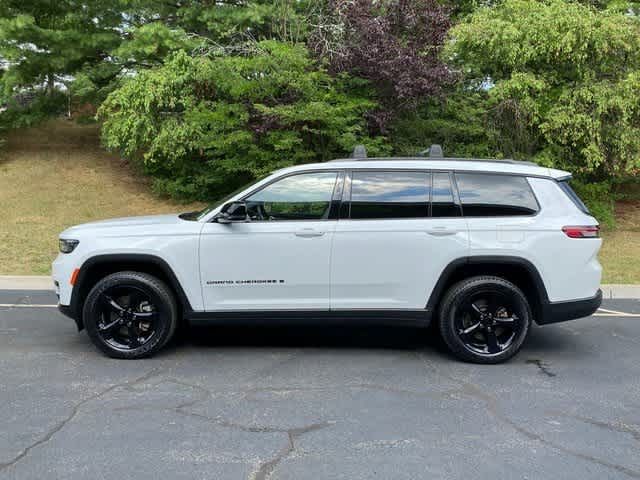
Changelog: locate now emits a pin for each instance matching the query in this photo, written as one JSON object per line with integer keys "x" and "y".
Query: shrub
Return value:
{"x": 30, "y": 108}
{"x": 203, "y": 125}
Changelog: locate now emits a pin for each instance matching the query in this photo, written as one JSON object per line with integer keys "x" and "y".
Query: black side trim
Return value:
{"x": 555, "y": 312}
{"x": 438, "y": 290}
{"x": 492, "y": 260}
{"x": 521, "y": 262}
{"x": 74, "y": 310}
{"x": 410, "y": 318}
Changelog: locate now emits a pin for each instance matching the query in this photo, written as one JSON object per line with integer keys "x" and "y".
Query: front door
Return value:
{"x": 280, "y": 260}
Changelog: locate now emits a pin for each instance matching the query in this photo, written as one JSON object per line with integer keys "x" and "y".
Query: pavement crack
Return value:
{"x": 74, "y": 411}
{"x": 542, "y": 366}
{"x": 226, "y": 424}
{"x": 493, "y": 408}
{"x": 614, "y": 427}
{"x": 265, "y": 469}
{"x": 363, "y": 386}
{"x": 204, "y": 393}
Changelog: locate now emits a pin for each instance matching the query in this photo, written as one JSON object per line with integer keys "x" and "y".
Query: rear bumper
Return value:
{"x": 555, "y": 312}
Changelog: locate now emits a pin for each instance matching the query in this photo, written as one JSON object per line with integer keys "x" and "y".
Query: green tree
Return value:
{"x": 98, "y": 43}
{"x": 201, "y": 125}
{"x": 563, "y": 81}
{"x": 46, "y": 41}
{"x": 458, "y": 121}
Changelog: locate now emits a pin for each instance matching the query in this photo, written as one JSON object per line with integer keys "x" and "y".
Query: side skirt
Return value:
{"x": 408, "y": 318}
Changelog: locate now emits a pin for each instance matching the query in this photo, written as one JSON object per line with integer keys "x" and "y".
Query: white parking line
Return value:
{"x": 615, "y": 312}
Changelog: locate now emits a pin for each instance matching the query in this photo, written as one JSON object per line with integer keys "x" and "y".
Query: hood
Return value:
{"x": 145, "y": 221}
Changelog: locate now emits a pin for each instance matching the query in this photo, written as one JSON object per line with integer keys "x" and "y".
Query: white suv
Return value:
{"x": 482, "y": 247}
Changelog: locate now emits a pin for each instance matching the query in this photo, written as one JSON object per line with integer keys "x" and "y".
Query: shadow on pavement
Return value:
{"x": 546, "y": 339}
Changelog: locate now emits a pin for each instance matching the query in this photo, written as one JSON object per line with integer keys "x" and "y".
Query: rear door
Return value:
{"x": 397, "y": 231}
{"x": 502, "y": 213}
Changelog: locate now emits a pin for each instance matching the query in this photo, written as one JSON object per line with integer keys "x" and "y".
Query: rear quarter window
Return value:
{"x": 494, "y": 195}
{"x": 570, "y": 192}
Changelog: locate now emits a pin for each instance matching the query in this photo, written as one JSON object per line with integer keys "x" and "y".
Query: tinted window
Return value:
{"x": 299, "y": 197}
{"x": 486, "y": 195}
{"x": 442, "y": 199}
{"x": 390, "y": 194}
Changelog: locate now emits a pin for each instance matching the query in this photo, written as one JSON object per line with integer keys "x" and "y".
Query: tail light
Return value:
{"x": 585, "y": 231}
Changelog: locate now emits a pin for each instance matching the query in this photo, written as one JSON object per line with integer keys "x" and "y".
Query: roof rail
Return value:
{"x": 435, "y": 153}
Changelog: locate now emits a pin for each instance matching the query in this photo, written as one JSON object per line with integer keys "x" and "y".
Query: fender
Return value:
{"x": 83, "y": 284}
{"x": 446, "y": 275}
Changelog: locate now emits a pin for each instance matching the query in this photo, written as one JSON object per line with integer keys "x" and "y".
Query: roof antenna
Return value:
{"x": 435, "y": 151}
{"x": 359, "y": 152}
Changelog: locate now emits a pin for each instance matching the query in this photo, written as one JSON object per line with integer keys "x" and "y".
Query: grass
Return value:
{"x": 620, "y": 254}
{"x": 54, "y": 176}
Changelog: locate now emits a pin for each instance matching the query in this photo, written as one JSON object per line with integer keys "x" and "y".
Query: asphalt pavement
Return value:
{"x": 316, "y": 403}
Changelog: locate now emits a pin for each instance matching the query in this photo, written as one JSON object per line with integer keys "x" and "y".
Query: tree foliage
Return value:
{"x": 395, "y": 45}
{"x": 101, "y": 42}
{"x": 202, "y": 125}
{"x": 564, "y": 80}
{"x": 206, "y": 94}
{"x": 457, "y": 122}
{"x": 43, "y": 41}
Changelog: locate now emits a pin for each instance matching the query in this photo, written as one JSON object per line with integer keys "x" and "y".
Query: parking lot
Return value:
{"x": 299, "y": 403}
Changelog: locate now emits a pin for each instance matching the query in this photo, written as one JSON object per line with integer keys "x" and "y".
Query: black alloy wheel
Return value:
{"x": 128, "y": 318}
{"x": 484, "y": 319}
{"x": 130, "y": 315}
{"x": 486, "y": 322}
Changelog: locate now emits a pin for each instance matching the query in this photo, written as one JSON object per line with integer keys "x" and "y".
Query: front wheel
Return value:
{"x": 484, "y": 319}
{"x": 130, "y": 315}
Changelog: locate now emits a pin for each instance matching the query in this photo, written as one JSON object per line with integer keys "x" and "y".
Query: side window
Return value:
{"x": 390, "y": 195}
{"x": 489, "y": 195}
{"x": 306, "y": 196}
{"x": 443, "y": 203}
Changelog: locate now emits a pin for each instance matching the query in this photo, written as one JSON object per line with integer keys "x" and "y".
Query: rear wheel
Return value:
{"x": 484, "y": 319}
{"x": 130, "y": 315}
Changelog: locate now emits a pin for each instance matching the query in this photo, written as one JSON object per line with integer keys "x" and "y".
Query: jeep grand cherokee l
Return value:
{"x": 481, "y": 247}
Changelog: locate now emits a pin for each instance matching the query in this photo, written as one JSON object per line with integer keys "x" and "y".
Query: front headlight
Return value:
{"x": 67, "y": 245}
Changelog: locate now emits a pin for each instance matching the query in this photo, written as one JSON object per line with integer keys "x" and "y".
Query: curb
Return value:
{"x": 44, "y": 282}
{"x": 26, "y": 282}
{"x": 620, "y": 291}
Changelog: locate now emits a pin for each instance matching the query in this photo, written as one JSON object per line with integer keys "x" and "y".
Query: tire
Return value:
{"x": 484, "y": 319}
{"x": 130, "y": 315}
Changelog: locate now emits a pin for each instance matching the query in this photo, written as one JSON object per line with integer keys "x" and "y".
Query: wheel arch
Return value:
{"x": 96, "y": 268}
{"x": 519, "y": 271}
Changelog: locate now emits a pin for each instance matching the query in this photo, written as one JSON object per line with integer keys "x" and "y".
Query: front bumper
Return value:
{"x": 69, "y": 311}
{"x": 555, "y": 312}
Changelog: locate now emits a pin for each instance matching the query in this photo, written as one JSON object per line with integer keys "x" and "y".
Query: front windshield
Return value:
{"x": 200, "y": 214}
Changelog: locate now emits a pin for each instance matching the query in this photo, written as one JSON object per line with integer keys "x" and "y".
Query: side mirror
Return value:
{"x": 233, "y": 212}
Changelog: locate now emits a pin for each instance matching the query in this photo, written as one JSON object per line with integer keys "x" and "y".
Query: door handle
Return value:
{"x": 309, "y": 233}
{"x": 441, "y": 232}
